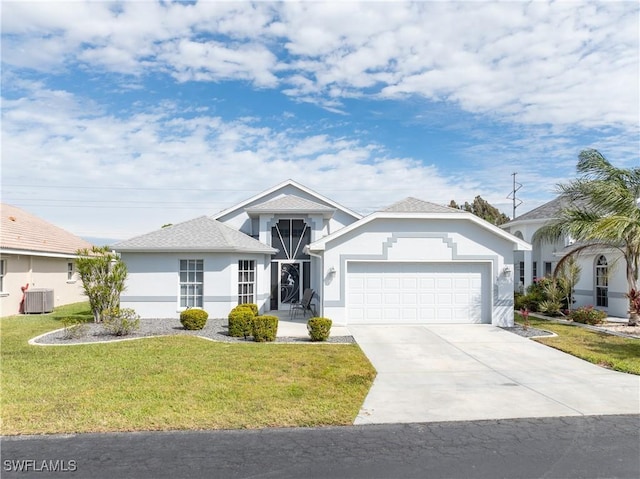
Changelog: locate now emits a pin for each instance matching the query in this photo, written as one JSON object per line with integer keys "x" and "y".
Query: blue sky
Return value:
{"x": 119, "y": 117}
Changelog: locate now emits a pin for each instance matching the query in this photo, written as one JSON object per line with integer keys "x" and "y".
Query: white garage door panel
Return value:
{"x": 417, "y": 293}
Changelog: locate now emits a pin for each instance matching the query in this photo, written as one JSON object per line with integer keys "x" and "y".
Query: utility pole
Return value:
{"x": 512, "y": 196}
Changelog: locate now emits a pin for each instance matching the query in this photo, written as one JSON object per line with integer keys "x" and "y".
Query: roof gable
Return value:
{"x": 288, "y": 188}
{"x": 199, "y": 234}
{"x": 290, "y": 204}
{"x": 414, "y": 209}
{"x": 23, "y": 231}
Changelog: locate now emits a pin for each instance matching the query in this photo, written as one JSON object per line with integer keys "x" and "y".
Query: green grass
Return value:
{"x": 174, "y": 382}
{"x": 613, "y": 352}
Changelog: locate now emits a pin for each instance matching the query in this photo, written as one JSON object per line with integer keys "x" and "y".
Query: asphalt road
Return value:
{"x": 569, "y": 447}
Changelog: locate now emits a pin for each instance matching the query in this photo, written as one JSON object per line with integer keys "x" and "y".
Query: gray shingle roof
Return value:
{"x": 199, "y": 234}
{"x": 414, "y": 205}
{"x": 290, "y": 204}
{"x": 547, "y": 211}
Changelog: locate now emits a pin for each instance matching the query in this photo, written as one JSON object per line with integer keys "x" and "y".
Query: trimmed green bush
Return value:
{"x": 241, "y": 322}
{"x": 120, "y": 322}
{"x": 265, "y": 328}
{"x": 252, "y": 306}
{"x": 194, "y": 319}
{"x": 319, "y": 328}
{"x": 588, "y": 315}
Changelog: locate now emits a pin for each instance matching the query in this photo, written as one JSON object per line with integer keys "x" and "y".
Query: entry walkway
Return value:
{"x": 468, "y": 372}
{"x": 297, "y": 327}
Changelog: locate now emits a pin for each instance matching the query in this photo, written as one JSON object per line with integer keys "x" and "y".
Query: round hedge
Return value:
{"x": 241, "y": 322}
{"x": 194, "y": 319}
{"x": 319, "y": 328}
{"x": 265, "y": 328}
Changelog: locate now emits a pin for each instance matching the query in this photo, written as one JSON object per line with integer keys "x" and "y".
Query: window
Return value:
{"x": 69, "y": 271}
{"x": 535, "y": 270}
{"x": 3, "y": 270}
{"x": 521, "y": 273}
{"x": 602, "y": 282}
{"x": 191, "y": 283}
{"x": 290, "y": 237}
{"x": 246, "y": 281}
{"x": 548, "y": 270}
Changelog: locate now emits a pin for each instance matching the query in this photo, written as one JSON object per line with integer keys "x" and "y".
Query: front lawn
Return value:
{"x": 614, "y": 352}
{"x": 175, "y": 382}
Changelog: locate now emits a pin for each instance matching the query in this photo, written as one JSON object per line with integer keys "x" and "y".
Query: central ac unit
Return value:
{"x": 38, "y": 301}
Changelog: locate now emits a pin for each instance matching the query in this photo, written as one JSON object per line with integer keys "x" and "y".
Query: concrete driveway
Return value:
{"x": 468, "y": 372}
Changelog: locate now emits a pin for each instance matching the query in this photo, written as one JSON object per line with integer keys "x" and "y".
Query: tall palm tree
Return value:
{"x": 602, "y": 209}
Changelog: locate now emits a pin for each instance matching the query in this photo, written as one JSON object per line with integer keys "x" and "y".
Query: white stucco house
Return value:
{"x": 35, "y": 254}
{"x": 603, "y": 282}
{"x": 413, "y": 262}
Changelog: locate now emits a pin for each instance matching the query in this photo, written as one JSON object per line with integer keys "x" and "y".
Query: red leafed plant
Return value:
{"x": 634, "y": 300}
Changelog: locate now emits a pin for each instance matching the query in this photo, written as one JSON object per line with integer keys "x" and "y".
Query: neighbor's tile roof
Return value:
{"x": 200, "y": 234}
{"x": 23, "y": 231}
{"x": 414, "y": 205}
{"x": 290, "y": 204}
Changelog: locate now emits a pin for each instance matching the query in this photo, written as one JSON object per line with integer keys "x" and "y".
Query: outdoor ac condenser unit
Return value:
{"x": 38, "y": 301}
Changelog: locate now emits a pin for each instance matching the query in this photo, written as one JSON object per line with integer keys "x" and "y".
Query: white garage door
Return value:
{"x": 380, "y": 292}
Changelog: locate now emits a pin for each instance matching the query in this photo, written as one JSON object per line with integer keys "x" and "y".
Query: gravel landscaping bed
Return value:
{"x": 215, "y": 329}
{"x": 527, "y": 333}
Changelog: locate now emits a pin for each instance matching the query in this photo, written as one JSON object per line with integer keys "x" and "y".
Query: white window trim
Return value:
{"x": 180, "y": 270}
{"x": 596, "y": 277}
{"x": 73, "y": 278}
{"x": 252, "y": 281}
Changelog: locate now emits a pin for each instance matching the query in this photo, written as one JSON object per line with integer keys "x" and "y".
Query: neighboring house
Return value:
{"x": 414, "y": 262}
{"x": 36, "y": 254}
{"x": 602, "y": 282}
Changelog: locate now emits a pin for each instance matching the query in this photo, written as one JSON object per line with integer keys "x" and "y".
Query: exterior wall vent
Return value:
{"x": 38, "y": 301}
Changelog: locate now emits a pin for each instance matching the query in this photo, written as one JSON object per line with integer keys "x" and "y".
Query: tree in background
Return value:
{"x": 482, "y": 209}
{"x": 602, "y": 211}
{"x": 103, "y": 275}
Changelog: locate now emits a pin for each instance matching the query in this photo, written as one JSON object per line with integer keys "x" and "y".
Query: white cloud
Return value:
{"x": 161, "y": 166}
{"x": 541, "y": 71}
{"x": 527, "y": 62}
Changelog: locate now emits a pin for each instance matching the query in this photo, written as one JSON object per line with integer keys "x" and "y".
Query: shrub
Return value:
{"x": 265, "y": 328}
{"x": 74, "y": 328}
{"x": 120, "y": 322}
{"x": 193, "y": 319}
{"x": 519, "y": 301}
{"x": 319, "y": 328}
{"x": 588, "y": 315}
{"x": 241, "y": 322}
{"x": 252, "y": 306}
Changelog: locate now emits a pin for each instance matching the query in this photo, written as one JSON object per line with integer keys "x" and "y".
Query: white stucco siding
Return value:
{"x": 153, "y": 283}
{"x": 240, "y": 220}
{"x": 617, "y": 287}
{"x": 422, "y": 241}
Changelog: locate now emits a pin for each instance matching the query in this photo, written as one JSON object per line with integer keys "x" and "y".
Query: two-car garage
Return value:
{"x": 426, "y": 292}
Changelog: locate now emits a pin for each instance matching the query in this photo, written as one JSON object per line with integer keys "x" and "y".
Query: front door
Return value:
{"x": 290, "y": 284}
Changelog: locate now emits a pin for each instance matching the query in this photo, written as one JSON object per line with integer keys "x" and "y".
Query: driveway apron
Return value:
{"x": 469, "y": 372}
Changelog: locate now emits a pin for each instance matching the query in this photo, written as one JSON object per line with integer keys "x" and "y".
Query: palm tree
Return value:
{"x": 601, "y": 209}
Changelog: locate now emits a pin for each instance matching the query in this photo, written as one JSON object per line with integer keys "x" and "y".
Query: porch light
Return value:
{"x": 506, "y": 272}
{"x": 331, "y": 271}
